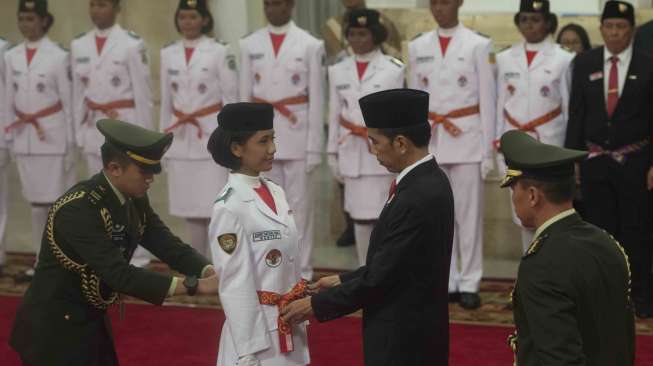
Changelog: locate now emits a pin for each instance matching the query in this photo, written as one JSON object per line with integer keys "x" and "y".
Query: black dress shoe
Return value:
{"x": 454, "y": 297}
{"x": 470, "y": 300}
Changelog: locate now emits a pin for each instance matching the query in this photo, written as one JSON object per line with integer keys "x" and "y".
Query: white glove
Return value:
{"x": 70, "y": 159}
{"x": 487, "y": 165}
{"x": 312, "y": 161}
{"x": 249, "y": 360}
{"x": 332, "y": 161}
{"x": 4, "y": 157}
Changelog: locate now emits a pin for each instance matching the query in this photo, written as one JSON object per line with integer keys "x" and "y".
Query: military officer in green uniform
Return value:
{"x": 572, "y": 299}
{"x": 90, "y": 236}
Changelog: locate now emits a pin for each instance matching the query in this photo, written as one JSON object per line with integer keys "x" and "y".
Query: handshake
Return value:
{"x": 300, "y": 310}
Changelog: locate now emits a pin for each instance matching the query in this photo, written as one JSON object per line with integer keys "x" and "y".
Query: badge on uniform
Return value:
{"x": 174, "y": 86}
{"x": 492, "y": 58}
{"x": 596, "y": 75}
{"x": 511, "y": 89}
{"x": 173, "y": 72}
{"x": 231, "y": 62}
{"x": 40, "y": 87}
{"x": 257, "y": 77}
{"x": 255, "y": 56}
{"x": 115, "y": 81}
{"x": 266, "y": 235}
{"x": 343, "y": 87}
{"x": 632, "y": 77}
{"x": 545, "y": 91}
{"x": 462, "y": 81}
{"x": 273, "y": 259}
{"x": 296, "y": 79}
{"x": 424, "y": 59}
{"x": 510, "y": 75}
{"x": 228, "y": 242}
{"x": 118, "y": 233}
{"x": 425, "y": 81}
{"x": 202, "y": 88}
{"x": 82, "y": 60}
{"x": 17, "y": 73}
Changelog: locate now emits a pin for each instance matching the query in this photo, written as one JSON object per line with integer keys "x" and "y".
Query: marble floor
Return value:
{"x": 500, "y": 259}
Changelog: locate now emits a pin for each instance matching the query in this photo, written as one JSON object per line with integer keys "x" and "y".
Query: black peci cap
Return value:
{"x": 246, "y": 117}
{"x": 395, "y": 108}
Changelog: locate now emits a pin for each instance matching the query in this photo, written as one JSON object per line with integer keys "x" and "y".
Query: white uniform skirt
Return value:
{"x": 366, "y": 195}
{"x": 272, "y": 356}
{"x": 193, "y": 186}
{"x": 43, "y": 177}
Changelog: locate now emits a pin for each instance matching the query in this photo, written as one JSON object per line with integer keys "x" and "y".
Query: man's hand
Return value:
{"x": 209, "y": 272}
{"x": 297, "y": 311}
{"x": 649, "y": 179}
{"x": 208, "y": 285}
{"x": 323, "y": 283}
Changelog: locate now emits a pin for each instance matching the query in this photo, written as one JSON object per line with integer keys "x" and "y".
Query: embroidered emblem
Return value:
{"x": 118, "y": 233}
{"x": 228, "y": 242}
{"x": 511, "y": 89}
{"x": 267, "y": 235}
{"x": 425, "y": 81}
{"x": 40, "y": 87}
{"x": 257, "y": 77}
{"x": 174, "y": 86}
{"x": 545, "y": 91}
{"x": 296, "y": 79}
{"x": 462, "y": 81}
{"x": 273, "y": 259}
{"x": 115, "y": 81}
{"x": 202, "y": 88}
{"x": 231, "y": 62}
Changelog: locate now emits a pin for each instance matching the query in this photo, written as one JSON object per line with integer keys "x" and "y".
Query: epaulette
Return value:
{"x": 396, "y": 61}
{"x": 482, "y": 34}
{"x": 225, "y": 195}
{"x": 80, "y": 35}
{"x": 417, "y": 36}
{"x": 535, "y": 245}
{"x": 96, "y": 194}
{"x": 133, "y": 35}
{"x": 219, "y": 41}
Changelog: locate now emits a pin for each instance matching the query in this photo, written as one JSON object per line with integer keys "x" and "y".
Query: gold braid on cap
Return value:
{"x": 90, "y": 280}
{"x": 142, "y": 159}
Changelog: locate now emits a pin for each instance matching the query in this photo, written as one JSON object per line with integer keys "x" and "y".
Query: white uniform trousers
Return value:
{"x": 292, "y": 177}
{"x": 467, "y": 186}
{"x": 270, "y": 357}
{"x": 526, "y": 234}
{"x": 43, "y": 177}
{"x": 4, "y": 202}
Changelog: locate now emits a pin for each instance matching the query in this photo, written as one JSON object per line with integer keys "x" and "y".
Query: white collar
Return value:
{"x": 368, "y": 56}
{"x": 280, "y": 30}
{"x": 552, "y": 221}
{"x": 448, "y": 32}
{"x": 253, "y": 182}
{"x": 35, "y": 44}
{"x": 121, "y": 197}
{"x": 407, "y": 170}
{"x": 105, "y": 32}
{"x": 623, "y": 56}
{"x": 193, "y": 43}
{"x": 537, "y": 46}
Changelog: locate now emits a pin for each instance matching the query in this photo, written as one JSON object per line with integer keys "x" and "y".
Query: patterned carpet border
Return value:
{"x": 495, "y": 295}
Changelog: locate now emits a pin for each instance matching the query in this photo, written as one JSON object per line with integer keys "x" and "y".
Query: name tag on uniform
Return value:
{"x": 266, "y": 235}
{"x": 83, "y": 60}
{"x": 256, "y": 56}
{"x": 632, "y": 77}
{"x": 343, "y": 86}
{"x": 596, "y": 75}
{"x": 424, "y": 59}
{"x": 173, "y": 72}
{"x": 17, "y": 73}
{"x": 511, "y": 75}
{"x": 299, "y": 59}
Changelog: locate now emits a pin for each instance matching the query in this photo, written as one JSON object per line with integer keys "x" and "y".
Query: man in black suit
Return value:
{"x": 644, "y": 37}
{"x": 611, "y": 115}
{"x": 402, "y": 289}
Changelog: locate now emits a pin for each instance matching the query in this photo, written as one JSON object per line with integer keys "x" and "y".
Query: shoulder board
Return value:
{"x": 133, "y": 35}
{"x": 536, "y": 245}
{"x": 225, "y": 195}
{"x": 219, "y": 41}
{"x": 169, "y": 44}
{"x": 247, "y": 35}
{"x": 396, "y": 61}
{"x": 482, "y": 35}
{"x": 417, "y": 36}
{"x": 80, "y": 35}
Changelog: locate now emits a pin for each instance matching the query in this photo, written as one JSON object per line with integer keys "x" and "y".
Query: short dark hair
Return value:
{"x": 219, "y": 146}
{"x": 379, "y": 33}
{"x": 419, "y": 135}
{"x": 208, "y": 28}
{"x": 110, "y": 153}
{"x": 551, "y": 18}
{"x": 580, "y": 31}
{"x": 555, "y": 191}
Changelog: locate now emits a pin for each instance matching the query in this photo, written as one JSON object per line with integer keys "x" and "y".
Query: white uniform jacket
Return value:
{"x": 209, "y": 80}
{"x": 463, "y": 78}
{"x": 120, "y": 73}
{"x": 529, "y": 93}
{"x": 44, "y": 84}
{"x": 4, "y": 45}
{"x": 263, "y": 257}
{"x": 296, "y": 71}
{"x": 345, "y": 89}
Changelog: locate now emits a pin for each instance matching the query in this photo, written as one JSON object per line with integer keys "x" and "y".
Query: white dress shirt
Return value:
{"x": 622, "y": 68}
{"x": 407, "y": 170}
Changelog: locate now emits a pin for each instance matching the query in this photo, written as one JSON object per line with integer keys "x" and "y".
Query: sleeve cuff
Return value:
{"x": 173, "y": 286}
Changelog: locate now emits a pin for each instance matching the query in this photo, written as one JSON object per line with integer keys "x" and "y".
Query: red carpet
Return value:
{"x": 173, "y": 336}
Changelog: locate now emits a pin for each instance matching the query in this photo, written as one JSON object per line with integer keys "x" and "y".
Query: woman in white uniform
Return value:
{"x": 198, "y": 76}
{"x": 37, "y": 121}
{"x": 367, "y": 71}
{"x": 534, "y": 79}
{"x": 254, "y": 244}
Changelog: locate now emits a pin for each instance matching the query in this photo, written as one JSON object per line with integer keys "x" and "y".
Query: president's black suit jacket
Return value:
{"x": 402, "y": 289}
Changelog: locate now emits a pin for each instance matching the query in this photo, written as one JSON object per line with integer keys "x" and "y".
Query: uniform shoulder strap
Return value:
{"x": 224, "y": 196}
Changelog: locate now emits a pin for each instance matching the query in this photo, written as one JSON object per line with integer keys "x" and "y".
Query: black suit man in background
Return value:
{"x": 611, "y": 115}
{"x": 403, "y": 286}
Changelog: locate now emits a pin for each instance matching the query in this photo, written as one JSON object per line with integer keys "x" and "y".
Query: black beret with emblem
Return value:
{"x": 39, "y": 7}
{"x": 619, "y": 9}
{"x": 246, "y": 117}
{"x": 534, "y": 6}
{"x": 528, "y": 158}
{"x": 144, "y": 147}
{"x": 199, "y": 5}
{"x": 395, "y": 108}
{"x": 363, "y": 18}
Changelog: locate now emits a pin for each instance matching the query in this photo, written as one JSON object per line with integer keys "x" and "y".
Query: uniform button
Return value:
{"x": 67, "y": 317}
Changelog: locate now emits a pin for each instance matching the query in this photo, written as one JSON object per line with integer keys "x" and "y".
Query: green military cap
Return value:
{"x": 145, "y": 147}
{"x": 528, "y": 158}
